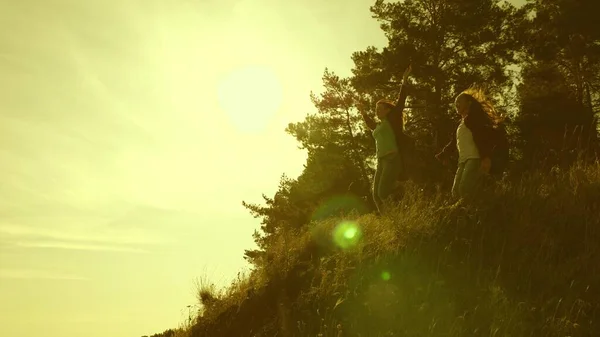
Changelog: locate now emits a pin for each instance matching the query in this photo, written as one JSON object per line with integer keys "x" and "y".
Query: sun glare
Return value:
{"x": 250, "y": 96}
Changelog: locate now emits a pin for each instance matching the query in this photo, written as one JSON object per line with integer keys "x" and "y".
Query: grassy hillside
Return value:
{"x": 523, "y": 261}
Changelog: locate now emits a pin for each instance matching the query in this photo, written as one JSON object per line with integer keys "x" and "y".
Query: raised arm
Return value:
{"x": 368, "y": 120}
{"x": 403, "y": 93}
{"x": 362, "y": 107}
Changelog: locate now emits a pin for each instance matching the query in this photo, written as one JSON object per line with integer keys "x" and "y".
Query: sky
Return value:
{"x": 130, "y": 133}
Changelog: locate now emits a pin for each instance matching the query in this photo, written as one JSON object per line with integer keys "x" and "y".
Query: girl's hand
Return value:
{"x": 486, "y": 164}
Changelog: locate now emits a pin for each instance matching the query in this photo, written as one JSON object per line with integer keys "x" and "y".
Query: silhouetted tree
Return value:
{"x": 336, "y": 177}
{"x": 451, "y": 45}
{"x": 559, "y": 94}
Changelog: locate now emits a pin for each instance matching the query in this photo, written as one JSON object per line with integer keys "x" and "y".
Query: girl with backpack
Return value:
{"x": 478, "y": 139}
{"x": 388, "y": 134}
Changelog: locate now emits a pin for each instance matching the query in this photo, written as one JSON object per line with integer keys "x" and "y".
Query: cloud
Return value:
{"x": 78, "y": 246}
{"x": 121, "y": 237}
{"x": 153, "y": 217}
{"x": 101, "y": 241}
{"x": 125, "y": 224}
{"x": 135, "y": 229}
{"x": 31, "y": 274}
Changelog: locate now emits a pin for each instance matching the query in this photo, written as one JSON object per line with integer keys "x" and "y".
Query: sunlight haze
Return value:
{"x": 130, "y": 133}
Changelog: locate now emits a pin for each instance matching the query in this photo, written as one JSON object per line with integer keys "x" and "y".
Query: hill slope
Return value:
{"x": 523, "y": 261}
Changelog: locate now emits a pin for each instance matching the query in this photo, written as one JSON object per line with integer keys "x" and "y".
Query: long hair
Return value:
{"x": 395, "y": 116}
{"x": 481, "y": 109}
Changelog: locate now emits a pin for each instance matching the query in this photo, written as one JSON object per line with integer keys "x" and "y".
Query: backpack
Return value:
{"x": 500, "y": 154}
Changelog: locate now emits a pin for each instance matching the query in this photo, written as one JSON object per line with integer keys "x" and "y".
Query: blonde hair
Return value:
{"x": 482, "y": 103}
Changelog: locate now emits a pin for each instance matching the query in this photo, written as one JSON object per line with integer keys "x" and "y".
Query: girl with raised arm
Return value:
{"x": 387, "y": 134}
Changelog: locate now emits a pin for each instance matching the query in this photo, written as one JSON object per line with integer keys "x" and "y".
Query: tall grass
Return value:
{"x": 522, "y": 260}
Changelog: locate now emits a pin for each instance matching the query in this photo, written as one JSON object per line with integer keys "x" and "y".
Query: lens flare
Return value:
{"x": 346, "y": 234}
{"x": 251, "y": 96}
{"x": 350, "y": 233}
{"x": 386, "y": 276}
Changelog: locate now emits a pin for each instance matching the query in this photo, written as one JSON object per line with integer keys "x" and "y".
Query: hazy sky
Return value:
{"x": 130, "y": 132}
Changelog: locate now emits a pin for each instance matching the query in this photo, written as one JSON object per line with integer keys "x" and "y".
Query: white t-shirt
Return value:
{"x": 465, "y": 144}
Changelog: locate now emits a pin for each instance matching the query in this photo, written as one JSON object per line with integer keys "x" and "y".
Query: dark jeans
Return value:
{"x": 388, "y": 170}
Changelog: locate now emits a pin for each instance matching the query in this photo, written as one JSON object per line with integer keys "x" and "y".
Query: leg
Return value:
{"x": 391, "y": 169}
{"x": 457, "y": 179}
{"x": 471, "y": 178}
{"x": 376, "y": 180}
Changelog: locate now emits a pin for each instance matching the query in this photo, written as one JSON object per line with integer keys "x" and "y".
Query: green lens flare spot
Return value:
{"x": 350, "y": 233}
{"x": 386, "y": 276}
{"x": 346, "y": 234}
